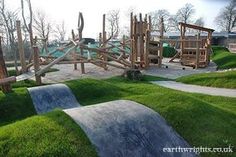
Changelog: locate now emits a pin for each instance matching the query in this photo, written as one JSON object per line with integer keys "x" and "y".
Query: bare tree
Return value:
{"x": 184, "y": 15}
{"x": 43, "y": 28}
{"x": 156, "y": 19}
{"x": 8, "y": 18}
{"x": 200, "y": 22}
{"x": 226, "y": 19}
{"x": 60, "y": 31}
{"x": 113, "y": 18}
{"x": 28, "y": 26}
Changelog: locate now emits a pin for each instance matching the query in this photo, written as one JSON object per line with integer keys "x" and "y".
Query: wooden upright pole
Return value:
{"x": 21, "y": 47}
{"x": 132, "y": 41}
{"x": 141, "y": 40}
{"x": 135, "y": 39}
{"x": 74, "y": 53}
{"x": 161, "y": 44}
{"x": 3, "y": 70}
{"x": 80, "y": 29}
{"x": 124, "y": 45}
{"x": 197, "y": 52}
{"x": 104, "y": 38}
{"x": 31, "y": 42}
{"x": 36, "y": 62}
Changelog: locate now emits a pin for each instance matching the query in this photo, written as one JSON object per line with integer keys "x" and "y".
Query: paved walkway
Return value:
{"x": 197, "y": 89}
{"x": 175, "y": 70}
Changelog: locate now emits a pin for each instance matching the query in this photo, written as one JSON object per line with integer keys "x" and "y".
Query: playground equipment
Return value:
{"x": 193, "y": 52}
{"x": 143, "y": 50}
{"x": 136, "y": 52}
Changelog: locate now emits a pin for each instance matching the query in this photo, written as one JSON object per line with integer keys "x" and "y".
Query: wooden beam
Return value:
{"x": 7, "y": 80}
{"x": 40, "y": 72}
{"x": 196, "y": 27}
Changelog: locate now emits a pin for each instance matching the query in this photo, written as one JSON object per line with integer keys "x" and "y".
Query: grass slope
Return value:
{"x": 15, "y": 106}
{"x": 214, "y": 79}
{"x": 201, "y": 119}
{"x": 223, "y": 58}
{"x": 52, "y": 134}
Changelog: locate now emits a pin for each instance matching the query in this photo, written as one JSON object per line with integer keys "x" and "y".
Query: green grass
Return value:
{"x": 14, "y": 106}
{"x": 223, "y": 58}
{"x": 202, "y": 120}
{"x": 215, "y": 79}
{"x": 52, "y": 134}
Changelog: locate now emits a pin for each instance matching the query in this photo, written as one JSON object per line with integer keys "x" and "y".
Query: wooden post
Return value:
{"x": 104, "y": 38}
{"x": 21, "y": 47}
{"x": 182, "y": 42}
{"x": 74, "y": 53}
{"x": 146, "y": 50}
{"x": 80, "y": 29}
{"x": 208, "y": 48}
{"x": 3, "y": 70}
{"x": 161, "y": 44}
{"x": 135, "y": 25}
{"x": 197, "y": 51}
{"x": 131, "y": 42}
{"x": 31, "y": 42}
{"x": 124, "y": 46}
{"x": 141, "y": 40}
{"x": 36, "y": 62}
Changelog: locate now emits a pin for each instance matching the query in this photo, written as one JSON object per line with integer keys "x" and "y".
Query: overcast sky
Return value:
{"x": 67, "y": 10}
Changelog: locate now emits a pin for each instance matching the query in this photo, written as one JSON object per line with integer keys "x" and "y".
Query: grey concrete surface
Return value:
{"x": 127, "y": 129}
{"x": 47, "y": 98}
{"x": 66, "y": 72}
{"x": 175, "y": 70}
{"x": 197, "y": 89}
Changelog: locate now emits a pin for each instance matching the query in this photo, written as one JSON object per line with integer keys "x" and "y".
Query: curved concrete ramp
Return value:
{"x": 47, "y": 98}
{"x": 127, "y": 129}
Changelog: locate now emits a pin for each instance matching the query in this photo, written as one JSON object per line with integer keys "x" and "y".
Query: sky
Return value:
{"x": 67, "y": 10}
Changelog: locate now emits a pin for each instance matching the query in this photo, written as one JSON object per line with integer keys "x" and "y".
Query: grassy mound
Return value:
{"x": 52, "y": 134}
{"x": 202, "y": 120}
{"x": 214, "y": 79}
{"x": 14, "y": 106}
{"x": 223, "y": 58}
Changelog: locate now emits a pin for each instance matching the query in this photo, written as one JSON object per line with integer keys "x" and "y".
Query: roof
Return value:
{"x": 214, "y": 34}
{"x": 197, "y": 27}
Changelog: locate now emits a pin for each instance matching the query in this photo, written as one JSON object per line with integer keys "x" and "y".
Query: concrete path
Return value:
{"x": 197, "y": 89}
{"x": 47, "y": 98}
{"x": 175, "y": 70}
{"x": 127, "y": 129}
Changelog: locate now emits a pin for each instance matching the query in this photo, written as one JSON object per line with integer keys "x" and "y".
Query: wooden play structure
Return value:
{"x": 193, "y": 51}
{"x": 135, "y": 52}
{"x": 143, "y": 50}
